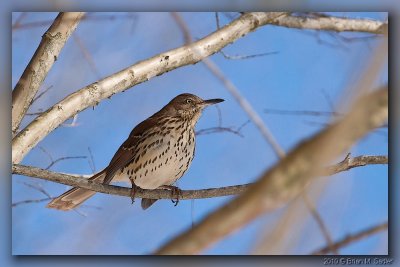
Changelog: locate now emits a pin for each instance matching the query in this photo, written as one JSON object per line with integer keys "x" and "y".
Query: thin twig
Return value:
{"x": 86, "y": 54}
{"x": 212, "y": 130}
{"x": 236, "y": 57}
{"x": 54, "y": 161}
{"x": 42, "y": 93}
{"x": 311, "y": 207}
{"x": 91, "y": 161}
{"x": 28, "y": 201}
{"x": 353, "y": 238}
{"x": 302, "y": 112}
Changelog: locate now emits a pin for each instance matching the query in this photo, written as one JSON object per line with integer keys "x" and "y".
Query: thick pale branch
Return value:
{"x": 82, "y": 182}
{"x": 46, "y": 54}
{"x": 287, "y": 179}
{"x": 140, "y": 72}
{"x": 329, "y": 23}
{"x": 353, "y": 238}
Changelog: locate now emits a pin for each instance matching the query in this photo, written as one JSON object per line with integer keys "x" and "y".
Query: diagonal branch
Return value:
{"x": 287, "y": 179}
{"x": 45, "y": 55}
{"x": 140, "y": 72}
{"x": 353, "y": 238}
{"x": 81, "y": 181}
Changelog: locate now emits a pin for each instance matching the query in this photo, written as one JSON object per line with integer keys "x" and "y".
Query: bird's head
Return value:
{"x": 190, "y": 106}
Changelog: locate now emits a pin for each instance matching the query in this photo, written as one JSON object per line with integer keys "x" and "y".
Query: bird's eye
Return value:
{"x": 188, "y": 101}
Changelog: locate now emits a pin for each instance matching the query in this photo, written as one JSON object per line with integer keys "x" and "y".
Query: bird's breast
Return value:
{"x": 165, "y": 157}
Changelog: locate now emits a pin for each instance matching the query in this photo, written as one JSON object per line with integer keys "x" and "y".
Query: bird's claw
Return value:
{"x": 133, "y": 192}
{"x": 175, "y": 193}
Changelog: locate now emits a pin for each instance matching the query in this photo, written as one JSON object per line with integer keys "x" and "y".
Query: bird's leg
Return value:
{"x": 175, "y": 192}
{"x": 133, "y": 192}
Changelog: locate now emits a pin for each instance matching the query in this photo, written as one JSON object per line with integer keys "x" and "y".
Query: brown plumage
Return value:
{"x": 157, "y": 152}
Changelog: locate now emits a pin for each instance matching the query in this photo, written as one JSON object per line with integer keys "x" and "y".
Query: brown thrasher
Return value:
{"x": 158, "y": 152}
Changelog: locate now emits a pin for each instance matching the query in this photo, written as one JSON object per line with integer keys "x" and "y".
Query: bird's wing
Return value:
{"x": 127, "y": 151}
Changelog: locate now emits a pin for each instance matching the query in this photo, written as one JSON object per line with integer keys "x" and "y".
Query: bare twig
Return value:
{"x": 353, "y": 238}
{"x": 236, "y": 57}
{"x": 133, "y": 75}
{"x": 302, "y": 112}
{"x": 218, "y": 130}
{"x": 311, "y": 207}
{"x": 91, "y": 161}
{"x": 34, "y": 113}
{"x": 37, "y": 187}
{"x": 240, "y": 57}
{"x": 28, "y": 201}
{"x": 287, "y": 179}
{"x": 42, "y": 93}
{"x": 86, "y": 54}
{"x": 43, "y": 59}
{"x": 54, "y": 161}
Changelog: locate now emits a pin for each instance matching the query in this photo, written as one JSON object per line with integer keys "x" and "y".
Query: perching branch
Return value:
{"x": 353, "y": 238}
{"x": 46, "y": 54}
{"x": 140, "y": 72}
{"x": 287, "y": 179}
{"x": 81, "y": 181}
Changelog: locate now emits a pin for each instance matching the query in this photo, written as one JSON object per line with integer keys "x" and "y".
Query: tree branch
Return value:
{"x": 81, "y": 181}
{"x": 353, "y": 238}
{"x": 45, "y": 55}
{"x": 287, "y": 179}
{"x": 330, "y": 23}
{"x": 140, "y": 72}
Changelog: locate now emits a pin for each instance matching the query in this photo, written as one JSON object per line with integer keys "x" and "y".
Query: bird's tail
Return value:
{"x": 147, "y": 202}
{"x": 75, "y": 196}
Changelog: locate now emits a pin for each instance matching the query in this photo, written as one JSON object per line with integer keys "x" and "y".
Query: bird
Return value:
{"x": 157, "y": 153}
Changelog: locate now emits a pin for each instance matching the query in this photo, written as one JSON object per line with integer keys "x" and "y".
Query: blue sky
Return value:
{"x": 308, "y": 67}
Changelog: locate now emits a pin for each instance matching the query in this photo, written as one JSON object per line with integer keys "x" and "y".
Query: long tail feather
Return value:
{"x": 75, "y": 196}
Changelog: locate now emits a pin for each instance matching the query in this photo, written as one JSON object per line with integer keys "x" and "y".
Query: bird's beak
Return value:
{"x": 212, "y": 101}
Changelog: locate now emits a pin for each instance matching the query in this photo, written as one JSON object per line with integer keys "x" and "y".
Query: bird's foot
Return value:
{"x": 176, "y": 193}
{"x": 134, "y": 189}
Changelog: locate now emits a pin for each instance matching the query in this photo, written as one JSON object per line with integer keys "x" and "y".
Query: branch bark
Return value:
{"x": 140, "y": 72}
{"x": 286, "y": 179}
{"x": 45, "y": 55}
{"x": 329, "y": 23}
{"x": 81, "y": 181}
